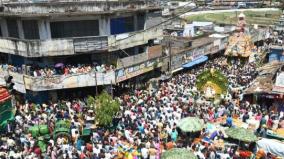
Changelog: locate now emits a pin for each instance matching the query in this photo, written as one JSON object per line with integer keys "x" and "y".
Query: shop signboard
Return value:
{"x": 198, "y": 52}
{"x": 69, "y": 81}
{"x": 132, "y": 71}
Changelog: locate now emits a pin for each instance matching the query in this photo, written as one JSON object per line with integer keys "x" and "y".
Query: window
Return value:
{"x": 12, "y": 28}
{"x": 121, "y": 25}
{"x": 141, "y": 21}
{"x": 74, "y": 28}
{"x": 30, "y": 28}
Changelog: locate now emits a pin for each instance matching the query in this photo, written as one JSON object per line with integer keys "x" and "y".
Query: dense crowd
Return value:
{"x": 147, "y": 121}
{"x": 38, "y": 71}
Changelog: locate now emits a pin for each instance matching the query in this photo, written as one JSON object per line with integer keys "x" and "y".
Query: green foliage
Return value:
{"x": 106, "y": 108}
{"x": 90, "y": 101}
{"x": 252, "y": 17}
{"x": 216, "y": 77}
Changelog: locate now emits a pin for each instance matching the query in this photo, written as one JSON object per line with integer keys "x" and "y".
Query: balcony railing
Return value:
{"x": 132, "y": 60}
{"x": 54, "y": 47}
{"x": 88, "y": 44}
{"x": 71, "y": 46}
{"x": 36, "y": 48}
{"x": 25, "y": 82}
{"x": 127, "y": 40}
{"x": 137, "y": 69}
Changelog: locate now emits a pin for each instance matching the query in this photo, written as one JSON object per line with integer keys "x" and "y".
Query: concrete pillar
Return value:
{"x": 20, "y": 29}
{"x": 53, "y": 96}
{"x": 9, "y": 58}
{"x": 104, "y": 25}
{"x": 135, "y": 21}
{"x": 146, "y": 19}
{"x": 44, "y": 29}
{"x": 136, "y": 50}
{"x": 4, "y": 28}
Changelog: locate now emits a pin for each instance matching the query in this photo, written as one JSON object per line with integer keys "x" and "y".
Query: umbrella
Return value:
{"x": 59, "y": 65}
{"x": 178, "y": 154}
{"x": 241, "y": 134}
{"x": 190, "y": 124}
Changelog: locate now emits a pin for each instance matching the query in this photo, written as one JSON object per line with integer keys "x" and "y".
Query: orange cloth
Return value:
{"x": 169, "y": 145}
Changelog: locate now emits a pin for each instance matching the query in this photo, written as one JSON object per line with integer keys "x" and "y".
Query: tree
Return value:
{"x": 106, "y": 108}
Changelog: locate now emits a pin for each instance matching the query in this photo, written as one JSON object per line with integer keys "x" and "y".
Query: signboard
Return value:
{"x": 69, "y": 81}
{"x": 132, "y": 71}
{"x": 180, "y": 59}
{"x": 198, "y": 52}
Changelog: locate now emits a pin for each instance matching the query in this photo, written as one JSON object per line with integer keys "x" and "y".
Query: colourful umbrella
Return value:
{"x": 178, "y": 154}
{"x": 59, "y": 65}
{"x": 191, "y": 124}
{"x": 241, "y": 134}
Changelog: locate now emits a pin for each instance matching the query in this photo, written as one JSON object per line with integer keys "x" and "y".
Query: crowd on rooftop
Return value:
{"x": 146, "y": 124}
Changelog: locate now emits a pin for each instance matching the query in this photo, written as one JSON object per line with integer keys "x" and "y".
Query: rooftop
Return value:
{"x": 195, "y": 44}
{"x": 262, "y": 84}
{"x": 80, "y": 7}
{"x": 265, "y": 81}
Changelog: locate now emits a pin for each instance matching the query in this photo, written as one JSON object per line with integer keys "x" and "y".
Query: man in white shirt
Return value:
{"x": 144, "y": 153}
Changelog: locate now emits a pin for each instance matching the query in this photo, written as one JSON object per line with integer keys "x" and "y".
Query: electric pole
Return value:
{"x": 169, "y": 47}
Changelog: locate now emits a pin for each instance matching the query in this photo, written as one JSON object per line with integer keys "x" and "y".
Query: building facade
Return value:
{"x": 277, "y": 46}
{"x": 96, "y": 37}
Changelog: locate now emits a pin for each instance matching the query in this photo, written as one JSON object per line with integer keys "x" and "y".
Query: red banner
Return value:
{"x": 4, "y": 95}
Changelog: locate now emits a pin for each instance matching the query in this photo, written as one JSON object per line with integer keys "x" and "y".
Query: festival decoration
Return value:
{"x": 240, "y": 44}
{"x": 212, "y": 81}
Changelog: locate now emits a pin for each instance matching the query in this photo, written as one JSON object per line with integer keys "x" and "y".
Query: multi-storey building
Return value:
{"x": 53, "y": 46}
{"x": 279, "y": 26}
{"x": 277, "y": 47}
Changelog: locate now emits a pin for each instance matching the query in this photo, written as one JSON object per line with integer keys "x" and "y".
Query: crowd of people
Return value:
{"x": 146, "y": 124}
{"x": 62, "y": 69}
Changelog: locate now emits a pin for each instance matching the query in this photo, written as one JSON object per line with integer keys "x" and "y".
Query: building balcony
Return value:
{"x": 35, "y": 48}
{"x": 135, "y": 65}
{"x": 54, "y": 47}
{"x": 134, "y": 70}
{"x": 26, "y": 82}
{"x": 132, "y": 60}
{"x": 127, "y": 40}
{"x": 72, "y": 46}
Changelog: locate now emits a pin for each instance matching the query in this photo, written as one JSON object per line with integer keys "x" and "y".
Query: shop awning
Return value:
{"x": 195, "y": 62}
{"x": 176, "y": 70}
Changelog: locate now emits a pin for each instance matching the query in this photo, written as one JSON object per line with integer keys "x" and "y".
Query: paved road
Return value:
{"x": 229, "y": 10}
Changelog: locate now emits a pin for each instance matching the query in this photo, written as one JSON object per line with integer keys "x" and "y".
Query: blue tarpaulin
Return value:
{"x": 195, "y": 62}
